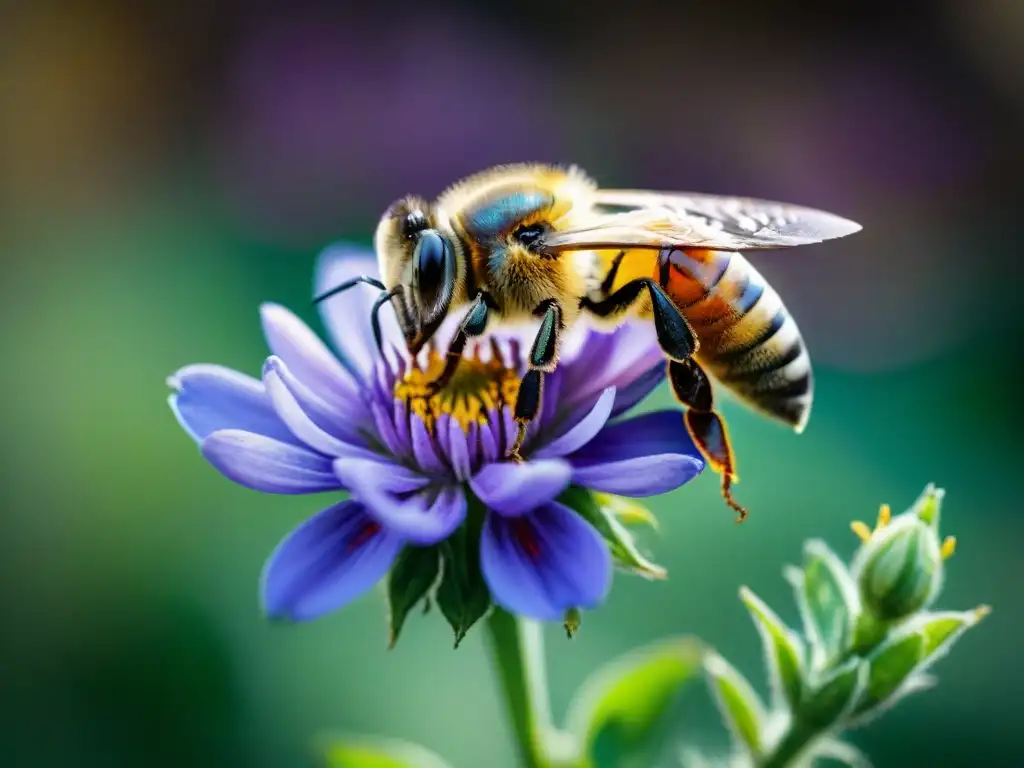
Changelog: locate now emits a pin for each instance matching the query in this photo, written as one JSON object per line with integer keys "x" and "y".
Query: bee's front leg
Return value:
{"x": 473, "y": 324}
{"x": 543, "y": 359}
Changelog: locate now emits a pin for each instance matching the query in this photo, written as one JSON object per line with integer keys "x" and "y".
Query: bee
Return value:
{"x": 528, "y": 241}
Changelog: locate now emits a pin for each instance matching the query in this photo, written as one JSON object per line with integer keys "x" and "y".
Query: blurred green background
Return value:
{"x": 164, "y": 168}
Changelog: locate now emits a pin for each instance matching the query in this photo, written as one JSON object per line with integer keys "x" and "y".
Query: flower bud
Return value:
{"x": 899, "y": 567}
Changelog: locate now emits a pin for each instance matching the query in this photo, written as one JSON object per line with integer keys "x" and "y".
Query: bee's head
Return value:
{"x": 417, "y": 262}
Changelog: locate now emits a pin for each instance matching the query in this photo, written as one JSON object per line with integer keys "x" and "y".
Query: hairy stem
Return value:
{"x": 517, "y": 651}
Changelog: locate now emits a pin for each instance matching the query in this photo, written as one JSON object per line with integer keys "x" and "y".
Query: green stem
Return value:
{"x": 517, "y": 651}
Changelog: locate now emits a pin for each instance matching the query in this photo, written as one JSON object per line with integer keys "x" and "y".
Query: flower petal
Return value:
{"x": 635, "y": 392}
{"x": 299, "y": 422}
{"x": 423, "y": 449}
{"x": 582, "y": 430}
{"x": 402, "y": 500}
{"x": 212, "y": 397}
{"x": 265, "y": 464}
{"x": 543, "y": 564}
{"x": 309, "y": 359}
{"x": 347, "y": 315}
{"x": 326, "y": 562}
{"x": 643, "y": 456}
{"x": 513, "y": 489}
{"x": 326, "y": 417}
{"x": 615, "y": 359}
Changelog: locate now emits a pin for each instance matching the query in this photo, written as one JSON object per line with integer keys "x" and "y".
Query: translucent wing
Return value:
{"x": 663, "y": 220}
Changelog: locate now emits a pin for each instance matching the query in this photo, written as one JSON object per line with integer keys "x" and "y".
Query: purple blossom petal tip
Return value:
{"x": 542, "y": 564}
{"x": 326, "y": 562}
{"x": 513, "y": 489}
{"x": 265, "y": 464}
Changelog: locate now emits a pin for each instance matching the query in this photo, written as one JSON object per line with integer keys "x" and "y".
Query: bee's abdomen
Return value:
{"x": 748, "y": 341}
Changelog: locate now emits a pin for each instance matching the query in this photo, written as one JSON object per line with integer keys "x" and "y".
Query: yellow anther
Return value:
{"x": 948, "y": 547}
{"x": 884, "y": 516}
{"x": 860, "y": 528}
{"x": 476, "y": 389}
{"x": 981, "y": 612}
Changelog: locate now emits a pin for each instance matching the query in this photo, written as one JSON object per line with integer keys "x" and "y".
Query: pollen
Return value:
{"x": 477, "y": 389}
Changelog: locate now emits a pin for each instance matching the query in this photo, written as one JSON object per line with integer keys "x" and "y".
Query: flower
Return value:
{"x": 415, "y": 464}
{"x": 899, "y": 567}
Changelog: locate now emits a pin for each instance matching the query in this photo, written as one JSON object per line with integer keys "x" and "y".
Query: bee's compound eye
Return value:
{"x": 432, "y": 265}
{"x": 414, "y": 223}
{"x": 528, "y": 234}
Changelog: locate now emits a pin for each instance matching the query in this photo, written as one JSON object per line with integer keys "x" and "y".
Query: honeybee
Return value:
{"x": 534, "y": 241}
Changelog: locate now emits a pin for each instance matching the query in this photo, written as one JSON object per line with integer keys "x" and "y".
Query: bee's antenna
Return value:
{"x": 349, "y": 284}
{"x": 383, "y": 299}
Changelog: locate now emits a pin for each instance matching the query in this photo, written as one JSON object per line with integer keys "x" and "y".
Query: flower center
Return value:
{"x": 478, "y": 389}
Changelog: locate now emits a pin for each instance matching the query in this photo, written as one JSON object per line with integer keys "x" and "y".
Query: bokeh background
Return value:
{"x": 166, "y": 167}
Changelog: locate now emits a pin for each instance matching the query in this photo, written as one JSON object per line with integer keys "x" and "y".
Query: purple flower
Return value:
{"x": 417, "y": 465}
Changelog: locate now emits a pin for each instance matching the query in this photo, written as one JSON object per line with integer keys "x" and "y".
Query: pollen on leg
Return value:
{"x": 526, "y": 537}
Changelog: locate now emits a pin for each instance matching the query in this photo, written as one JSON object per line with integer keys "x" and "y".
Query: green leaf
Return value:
{"x": 740, "y": 706}
{"x": 414, "y": 573}
{"x": 889, "y": 667}
{"x": 627, "y": 511}
{"x": 365, "y": 752}
{"x": 620, "y": 540}
{"x": 623, "y": 707}
{"x": 783, "y": 649}
{"x": 897, "y": 666}
{"x": 834, "y": 696}
{"x": 828, "y": 601}
{"x": 462, "y": 595}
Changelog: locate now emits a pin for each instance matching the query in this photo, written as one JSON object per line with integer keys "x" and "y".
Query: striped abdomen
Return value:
{"x": 748, "y": 341}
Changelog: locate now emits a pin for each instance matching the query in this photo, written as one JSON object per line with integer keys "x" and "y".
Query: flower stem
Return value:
{"x": 517, "y": 651}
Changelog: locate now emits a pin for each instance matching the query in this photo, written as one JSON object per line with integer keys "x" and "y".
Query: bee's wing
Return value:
{"x": 663, "y": 220}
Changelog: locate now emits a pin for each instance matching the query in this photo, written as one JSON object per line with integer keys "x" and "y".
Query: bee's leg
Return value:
{"x": 692, "y": 388}
{"x": 473, "y": 324}
{"x": 543, "y": 359}
{"x": 674, "y": 333}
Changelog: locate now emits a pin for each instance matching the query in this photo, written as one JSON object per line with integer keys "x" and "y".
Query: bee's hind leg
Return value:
{"x": 543, "y": 359}
{"x": 692, "y": 388}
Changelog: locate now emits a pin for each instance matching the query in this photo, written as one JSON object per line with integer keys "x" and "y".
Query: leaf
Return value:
{"x": 414, "y": 573}
{"x": 834, "y": 696}
{"x": 889, "y": 666}
{"x": 897, "y": 666}
{"x": 842, "y": 752}
{"x": 740, "y": 706}
{"x": 828, "y": 601}
{"x": 623, "y": 705}
{"x": 366, "y": 752}
{"x": 627, "y": 511}
{"x": 620, "y": 541}
{"x": 783, "y": 649}
{"x": 462, "y": 594}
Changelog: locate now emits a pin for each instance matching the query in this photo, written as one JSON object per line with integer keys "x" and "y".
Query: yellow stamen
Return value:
{"x": 884, "y": 516}
{"x": 860, "y": 528}
{"x": 948, "y": 547}
{"x": 476, "y": 388}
